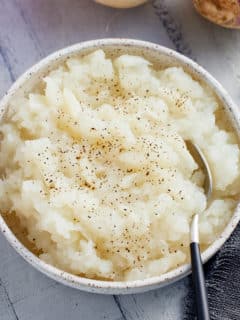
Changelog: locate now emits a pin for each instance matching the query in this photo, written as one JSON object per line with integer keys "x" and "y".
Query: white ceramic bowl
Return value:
{"x": 160, "y": 56}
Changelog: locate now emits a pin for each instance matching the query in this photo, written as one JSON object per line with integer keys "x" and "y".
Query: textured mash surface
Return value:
{"x": 96, "y": 168}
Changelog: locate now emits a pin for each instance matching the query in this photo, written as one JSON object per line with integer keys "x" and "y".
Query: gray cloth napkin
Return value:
{"x": 223, "y": 270}
{"x": 223, "y": 283}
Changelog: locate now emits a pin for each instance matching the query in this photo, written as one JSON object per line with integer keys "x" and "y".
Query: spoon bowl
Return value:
{"x": 201, "y": 160}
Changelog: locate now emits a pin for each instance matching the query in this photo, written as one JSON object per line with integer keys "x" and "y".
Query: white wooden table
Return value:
{"x": 31, "y": 29}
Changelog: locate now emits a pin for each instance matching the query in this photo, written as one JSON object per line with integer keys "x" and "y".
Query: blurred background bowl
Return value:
{"x": 121, "y": 3}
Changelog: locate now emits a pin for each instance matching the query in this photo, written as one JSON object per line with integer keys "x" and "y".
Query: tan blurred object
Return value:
{"x": 121, "y": 3}
{"x": 223, "y": 12}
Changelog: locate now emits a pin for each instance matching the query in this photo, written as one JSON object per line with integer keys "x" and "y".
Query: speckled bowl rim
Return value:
{"x": 110, "y": 287}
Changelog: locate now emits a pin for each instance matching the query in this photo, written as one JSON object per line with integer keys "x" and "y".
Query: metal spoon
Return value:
{"x": 197, "y": 266}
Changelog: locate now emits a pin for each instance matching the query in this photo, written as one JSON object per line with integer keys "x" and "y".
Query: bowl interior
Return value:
{"x": 161, "y": 57}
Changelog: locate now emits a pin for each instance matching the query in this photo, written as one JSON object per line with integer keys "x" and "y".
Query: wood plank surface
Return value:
{"x": 31, "y": 29}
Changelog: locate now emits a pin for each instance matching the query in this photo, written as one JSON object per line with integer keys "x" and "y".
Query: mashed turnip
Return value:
{"x": 95, "y": 166}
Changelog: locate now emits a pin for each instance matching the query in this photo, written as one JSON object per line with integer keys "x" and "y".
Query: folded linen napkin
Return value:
{"x": 222, "y": 274}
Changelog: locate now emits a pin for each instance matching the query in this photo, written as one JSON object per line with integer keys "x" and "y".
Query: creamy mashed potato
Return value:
{"x": 95, "y": 166}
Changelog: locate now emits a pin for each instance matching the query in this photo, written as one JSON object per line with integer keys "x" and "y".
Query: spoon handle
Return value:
{"x": 199, "y": 283}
